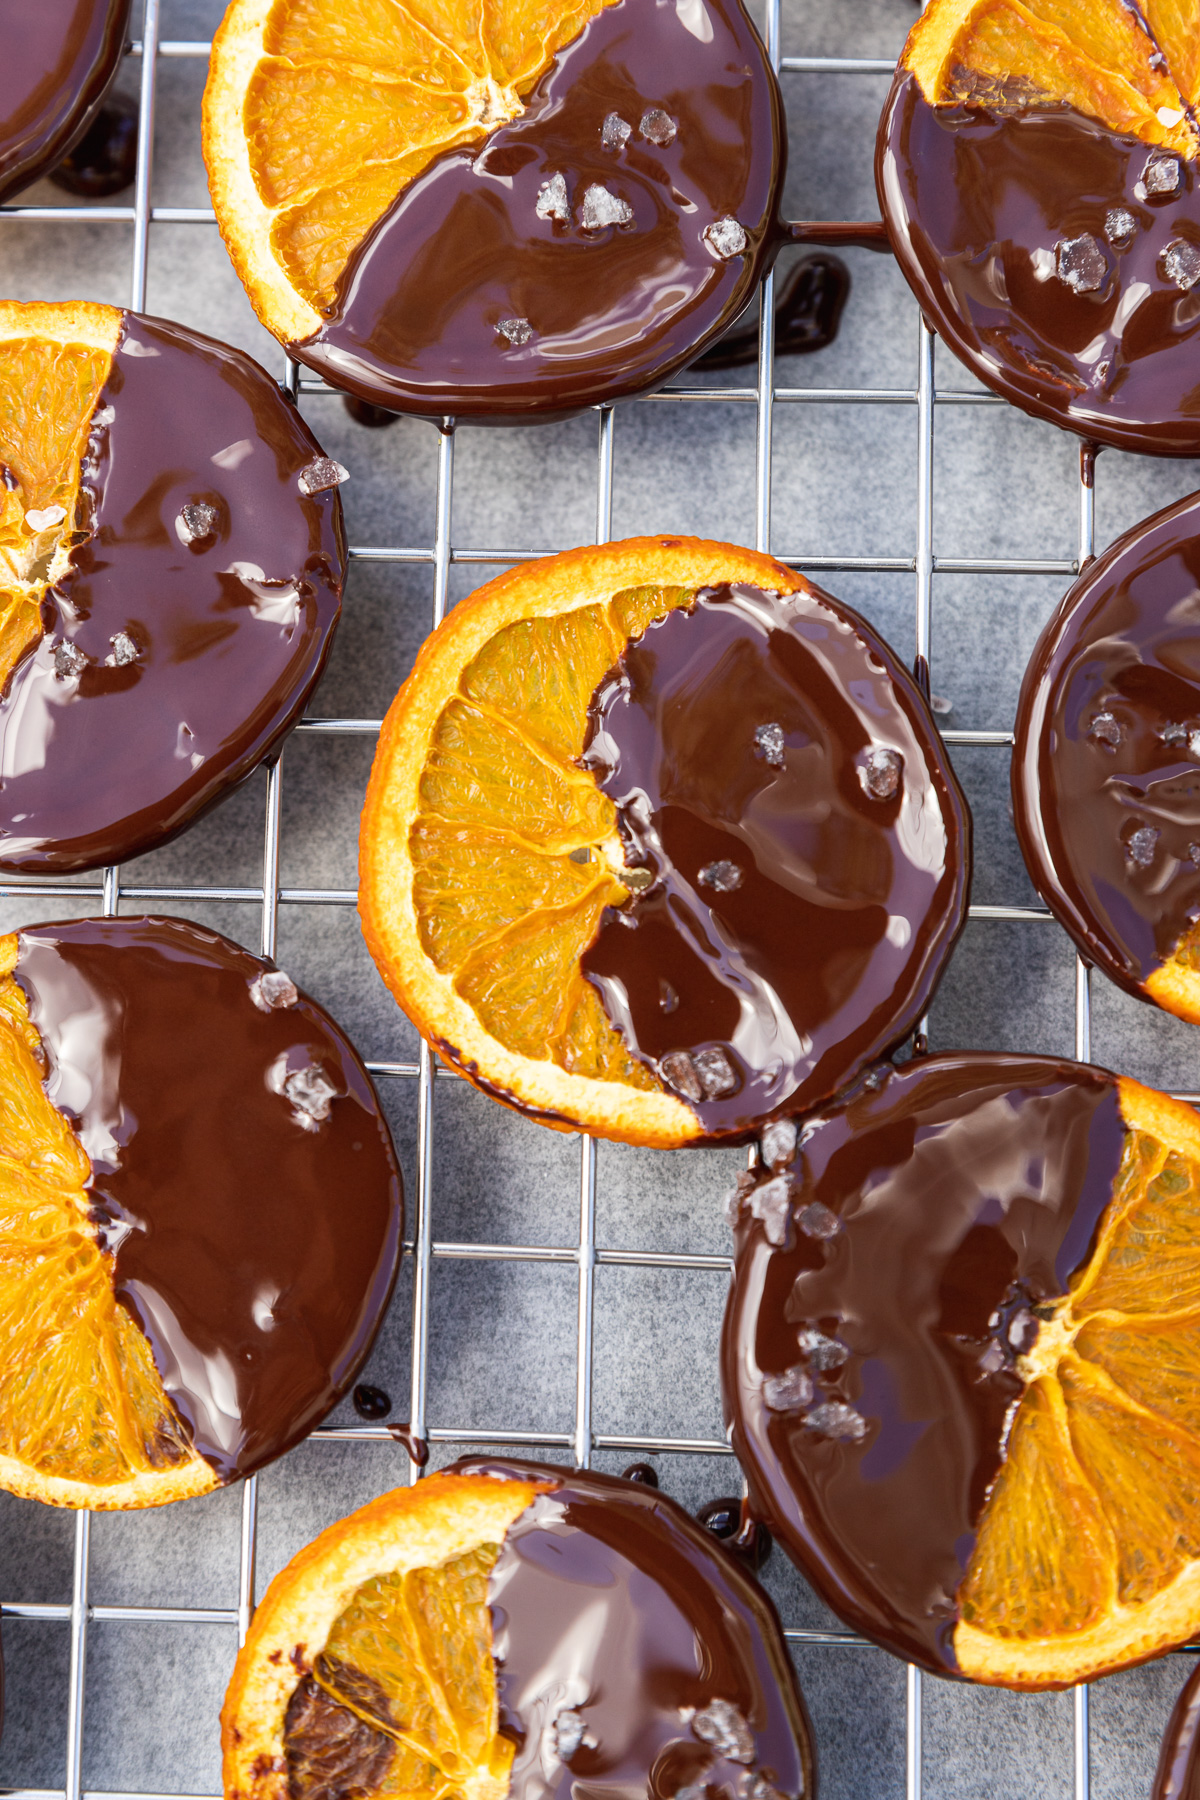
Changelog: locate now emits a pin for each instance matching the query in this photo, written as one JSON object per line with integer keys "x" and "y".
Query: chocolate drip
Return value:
{"x": 807, "y": 314}
{"x": 929, "y": 1213}
{"x": 611, "y": 311}
{"x": 778, "y": 774}
{"x": 1178, "y": 1776}
{"x": 1106, "y": 768}
{"x": 254, "y": 1211}
{"x": 983, "y": 210}
{"x": 104, "y": 161}
{"x": 611, "y": 1604}
{"x": 59, "y": 57}
{"x": 202, "y": 639}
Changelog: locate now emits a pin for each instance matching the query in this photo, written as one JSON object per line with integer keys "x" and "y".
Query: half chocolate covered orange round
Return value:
{"x": 660, "y": 841}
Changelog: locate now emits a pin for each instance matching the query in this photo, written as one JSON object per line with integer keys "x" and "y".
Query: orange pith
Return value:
{"x": 1137, "y": 72}
{"x": 488, "y": 855}
{"x": 318, "y": 113}
{"x": 84, "y": 1420}
{"x": 374, "y": 1647}
{"x": 1088, "y": 1551}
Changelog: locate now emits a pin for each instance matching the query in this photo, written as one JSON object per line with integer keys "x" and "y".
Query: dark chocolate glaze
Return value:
{"x": 417, "y": 1447}
{"x": 608, "y": 1599}
{"x": 846, "y": 906}
{"x": 1120, "y": 660}
{"x": 1178, "y": 1776}
{"x": 613, "y": 311}
{"x": 59, "y": 57}
{"x": 808, "y": 311}
{"x": 371, "y": 1402}
{"x": 954, "y": 1193}
{"x": 256, "y": 1254}
{"x": 976, "y": 202}
{"x": 231, "y": 629}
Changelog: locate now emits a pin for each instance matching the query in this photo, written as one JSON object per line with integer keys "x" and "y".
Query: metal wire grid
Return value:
{"x": 586, "y": 1255}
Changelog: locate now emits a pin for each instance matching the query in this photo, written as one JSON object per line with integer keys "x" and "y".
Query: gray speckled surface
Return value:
{"x": 502, "y": 1334}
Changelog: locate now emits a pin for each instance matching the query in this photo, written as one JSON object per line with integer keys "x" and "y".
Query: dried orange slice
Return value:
{"x": 317, "y": 114}
{"x": 1093, "y": 55}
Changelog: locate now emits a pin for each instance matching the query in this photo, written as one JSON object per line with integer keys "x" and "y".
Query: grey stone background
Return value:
{"x": 502, "y": 1334}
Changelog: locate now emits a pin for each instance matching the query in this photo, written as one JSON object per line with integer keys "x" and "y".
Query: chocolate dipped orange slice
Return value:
{"x": 514, "y": 1629}
{"x": 1037, "y": 170}
{"x": 200, "y": 1212}
{"x": 494, "y": 208}
{"x": 660, "y": 841}
{"x": 960, "y": 1359}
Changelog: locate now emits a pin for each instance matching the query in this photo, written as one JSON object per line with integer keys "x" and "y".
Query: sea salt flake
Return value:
{"x": 1105, "y": 729}
{"x": 717, "y": 1074}
{"x": 1194, "y": 853}
{"x": 834, "y": 1419}
{"x": 822, "y": 1352}
{"x": 777, "y": 1146}
{"x": 1120, "y": 226}
{"x": 1141, "y": 846}
{"x": 668, "y": 999}
{"x": 320, "y": 475}
{"x": 726, "y": 238}
{"x": 571, "y": 1734}
{"x": 44, "y": 518}
{"x": 69, "y": 660}
{"x": 124, "y": 651}
{"x": 722, "y": 1725}
{"x": 680, "y": 1071}
{"x": 992, "y": 1360}
{"x": 772, "y": 1205}
{"x": 311, "y": 1093}
{"x": 769, "y": 743}
{"x": 1174, "y": 734}
{"x": 757, "y": 1787}
{"x": 600, "y": 208}
{"x": 695, "y": 1790}
{"x": 553, "y": 201}
{"x": 1162, "y": 175}
{"x": 817, "y": 1221}
{"x": 195, "y": 522}
{"x": 881, "y": 773}
{"x": 1181, "y": 264}
{"x": 273, "y": 990}
{"x": 517, "y": 331}
{"x": 731, "y": 1200}
{"x": 658, "y": 126}
{"x": 1022, "y": 1331}
{"x": 615, "y": 133}
{"x": 1193, "y": 745}
{"x": 1080, "y": 263}
{"x": 722, "y": 877}
{"x": 788, "y": 1392}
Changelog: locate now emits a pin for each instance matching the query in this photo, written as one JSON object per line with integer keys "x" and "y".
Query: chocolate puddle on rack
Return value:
{"x": 255, "y": 1242}
{"x": 463, "y": 300}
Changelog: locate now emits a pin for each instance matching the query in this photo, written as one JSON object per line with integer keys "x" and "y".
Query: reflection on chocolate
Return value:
{"x": 777, "y": 772}
{"x": 875, "y": 1317}
{"x": 418, "y": 1449}
{"x": 59, "y": 57}
{"x": 1106, "y": 767}
{"x": 601, "y": 312}
{"x": 741, "y": 1535}
{"x": 1178, "y": 1776}
{"x": 1036, "y": 250}
{"x": 808, "y": 310}
{"x": 242, "y": 1174}
{"x": 104, "y": 161}
{"x": 611, "y": 1605}
{"x": 218, "y": 575}
{"x": 371, "y": 1402}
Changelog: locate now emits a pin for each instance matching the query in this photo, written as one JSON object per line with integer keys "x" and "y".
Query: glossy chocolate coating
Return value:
{"x": 976, "y": 204}
{"x": 231, "y": 629}
{"x": 808, "y": 310}
{"x": 954, "y": 1195}
{"x": 256, "y": 1254}
{"x": 613, "y": 311}
{"x": 1178, "y": 1776}
{"x": 59, "y": 57}
{"x": 1119, "y": 660}
{"x": 607, "y": 1598}
{"x": 844, "y": 907}
{"x": 104, "y": 161}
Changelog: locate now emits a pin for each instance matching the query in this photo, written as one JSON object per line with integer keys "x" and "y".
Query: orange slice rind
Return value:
{"x": 1088, "y": 1551}
{"x": 1093, "y": 55}
{"x": 318, "y": 113}
{"x": 487, "y": 856}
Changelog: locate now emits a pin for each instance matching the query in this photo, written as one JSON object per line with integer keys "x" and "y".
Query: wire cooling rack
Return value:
{"x": 583, "y": 1255}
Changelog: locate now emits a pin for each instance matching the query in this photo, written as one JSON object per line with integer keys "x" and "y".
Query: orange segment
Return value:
{"x": 317, "y": 114}
{"x": 84, "y": 1419}
{"x": 1092, "y": 55}
{"x": 488, "y": 855}
{"x": 1088, "y": 1550}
